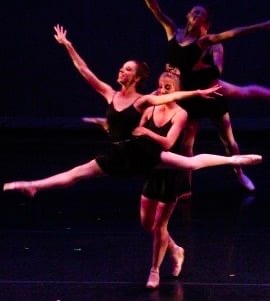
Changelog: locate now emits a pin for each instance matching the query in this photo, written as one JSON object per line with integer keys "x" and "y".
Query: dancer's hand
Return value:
{"x": 60, "y": 35}
{"x": 211, "y": 92}
{"x": 250, "y": 159}
{"x": 140, "y": 131}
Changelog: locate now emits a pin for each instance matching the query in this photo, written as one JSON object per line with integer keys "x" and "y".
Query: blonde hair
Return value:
{"x": 173, "y": 74}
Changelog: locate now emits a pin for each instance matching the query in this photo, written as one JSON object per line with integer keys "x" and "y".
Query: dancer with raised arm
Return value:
{"x": 134, "y": 149}
{"x": 162, "y": 186}
{"x": 199, "y": 56}
{"x": 137, "y": 155}
{"x": 131, "y": 155}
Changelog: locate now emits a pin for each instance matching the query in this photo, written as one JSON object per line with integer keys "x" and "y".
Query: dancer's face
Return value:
{"x": 167, "y": 84}
{"x": 197, "y": 17}
{"x": 127, "y": 74}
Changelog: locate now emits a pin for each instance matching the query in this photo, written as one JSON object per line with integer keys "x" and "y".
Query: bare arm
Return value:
{"x": 178, "y": 124}
{"x": 101, "y": 87}
{"x": 218, "y": 56}
{"x": 155, "y": 100}
{"x": 146, "y": 115}
{"x": 166, "y": 22}
{"x": 210, "y": 39}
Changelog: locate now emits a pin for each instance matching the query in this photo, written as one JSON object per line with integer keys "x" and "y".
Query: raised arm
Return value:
{"x": 210, "y": 39}
{"x": 104, "y": 89}
{"x": 166, "y": 22}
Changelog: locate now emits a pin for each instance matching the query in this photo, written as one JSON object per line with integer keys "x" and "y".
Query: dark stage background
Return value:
{"x": 39, "y": 84}
{"x": 86, "y": 242}
{"x": 43, "y": 97}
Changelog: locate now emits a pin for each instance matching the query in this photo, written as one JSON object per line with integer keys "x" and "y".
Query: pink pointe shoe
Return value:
{"x": 177, "y": 257}
{"x": 252, "y": 159}
{"x": 26, "y": 188}
{"x": 153, "y": 280}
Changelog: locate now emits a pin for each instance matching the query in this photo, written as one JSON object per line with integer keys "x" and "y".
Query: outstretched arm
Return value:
{"x": 166, "y": 22}
{"x": 101, "y": 87}
{"x": 210, "y": 39}
{"x": 155, "y": 100}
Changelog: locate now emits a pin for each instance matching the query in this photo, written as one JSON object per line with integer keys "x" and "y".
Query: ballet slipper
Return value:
{"x": 26, "y": 188}
{"x": 153, "y": 280}
{"x": 246, "y": 182}
{"x": 252, "y": 159}
{"x": 177, "y": 257}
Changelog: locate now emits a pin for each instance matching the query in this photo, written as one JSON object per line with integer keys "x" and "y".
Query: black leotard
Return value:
{"x": 127, "y": 154}
{"x": 130, "y": 157}
{"x": 185, "y": 58}
{"x": 163, "y": 185}
{"x": 122, "y": 123}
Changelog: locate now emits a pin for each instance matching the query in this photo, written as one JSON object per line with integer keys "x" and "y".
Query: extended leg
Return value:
{"x": 247, "y": 92}
{"x": 187, "y": 144}
{"x": 226, "y": 135}
{"x": 175, "y": 161}
{"x": 64, "y": 179}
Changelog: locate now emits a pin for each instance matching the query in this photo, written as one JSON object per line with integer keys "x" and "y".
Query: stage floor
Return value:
{"x": 86, "y": 243}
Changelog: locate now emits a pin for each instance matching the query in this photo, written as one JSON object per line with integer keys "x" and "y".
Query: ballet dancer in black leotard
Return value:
{"x": 199, "y": 56}
{"x": 131, "y": 155}
{"x": 162, "y": 187}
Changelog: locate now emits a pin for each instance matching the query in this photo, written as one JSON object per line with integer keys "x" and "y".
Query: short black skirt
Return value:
{"x": 130, "y": 157}
{"x": 164, "y": 185}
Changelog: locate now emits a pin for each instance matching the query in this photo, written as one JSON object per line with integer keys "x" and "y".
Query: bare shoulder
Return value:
{"x": 148, "y": 111}
{"x": 110, "y": 94}
{"x": 141, "y": 101}
{"x": 180, "y": 113}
